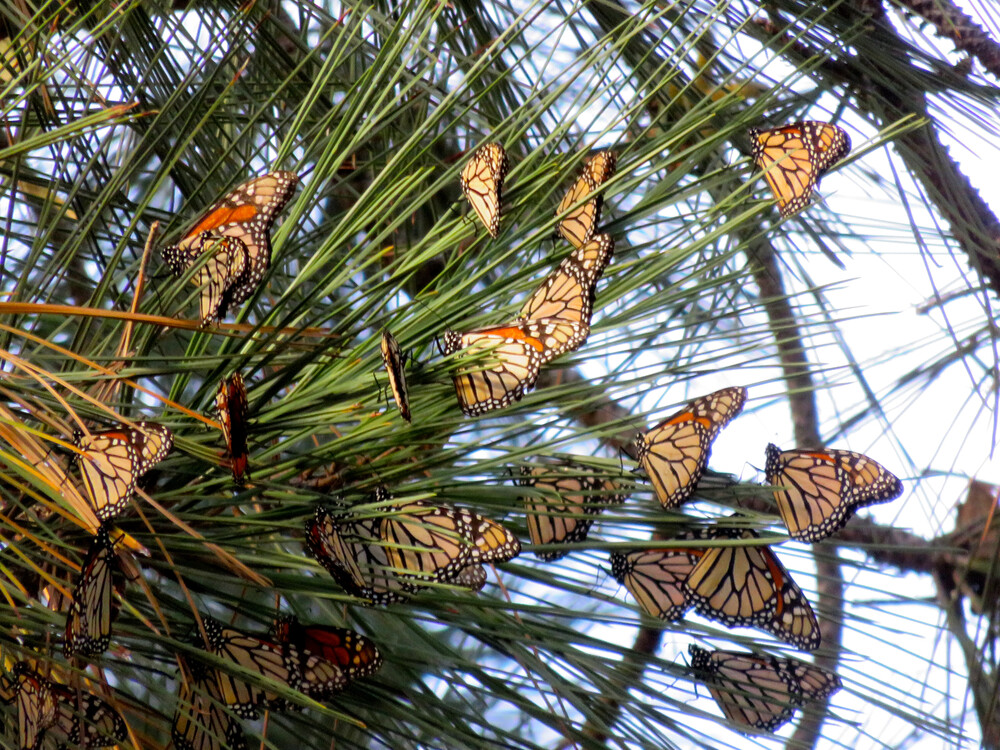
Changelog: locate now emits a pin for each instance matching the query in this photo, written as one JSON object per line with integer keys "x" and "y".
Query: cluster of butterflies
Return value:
{"x": 383, "y": 551}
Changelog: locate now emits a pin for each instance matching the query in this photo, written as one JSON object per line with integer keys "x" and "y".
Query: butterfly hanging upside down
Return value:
{"x": 482, "y": 182}
{"x": 795, "y": 156}
{"x": 231, "y": 243}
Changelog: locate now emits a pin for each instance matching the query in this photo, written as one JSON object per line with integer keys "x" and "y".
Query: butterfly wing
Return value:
{"x": 392, "y": 359}
{"x": 231, "y": 404}
{"x": 748, "y": 586}
{"x": 88, "y": 622}
{"x": 482, "y": 182}
{"x": 36, "y": 704}
{"x": 794, "y": 157}
{"x": 674, "y": 454}
{"x": 202, "y": 723}
{"x": 818, "y": 491}
{"x": 517, "y": 358}
{"x": 655, "y": 577}
{"x": 85, "y": 720}
{"x": 354, "y": 655}
{"x": 109, "y": 465}
{"x": 579, "y": 224}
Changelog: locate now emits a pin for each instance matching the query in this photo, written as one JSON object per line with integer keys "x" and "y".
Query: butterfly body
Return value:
{"x": 674, "y": 454}
{"x": 818, "y": 491}
{"x": 795, "y": 156}
{"x": 482, "y": 182}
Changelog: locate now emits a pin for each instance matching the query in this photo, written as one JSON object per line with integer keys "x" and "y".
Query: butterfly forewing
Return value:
{"x": 482, "y": 182}
{"x": 674, "y": 454}
{"x": 201, "y": 721}
{"x": 818, "y": 491}
{"x": 231, "y": 404}
{"x": 579, "y": 224}
{"x": 656, "y": 577}
{"x": 392, "y": 359}
{"x": 88, "y": 622}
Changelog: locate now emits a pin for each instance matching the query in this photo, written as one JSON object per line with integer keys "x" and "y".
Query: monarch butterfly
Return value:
{"x": 392, "y": 358}
{"x": 675, "y": 452}
{"x": 579, "y": 224}
{"x": 263, "y": 657}
{"x": 245, "y": 214}
{"x": 71, "y": 718}
{"x": 226, "y": 262}
{"x": 112, "y": 461}
{"x": 748, "y": 586}
{"x": 472, "y": 577}
{"x": 231, "y": 403}
{"x": 818, "y": 491}
{"x": 795, "y": 156}
{"x": 387, "y": 558}
{"x": 482, "y": 183}
{"x": 656, "y": 577}
{"x": 201, "y": 721}
{"x": 760, "y": 692}
{"x": 88, "y": 622}
{"x": 553, "y": 320}
{"x": 352, "y": 653}
{"x": 572, "y": 491}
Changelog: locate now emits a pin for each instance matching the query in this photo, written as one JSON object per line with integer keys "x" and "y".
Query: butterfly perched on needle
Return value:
{"x": 760, "y": 692}
{"x": 231, "y": 405}
{"x": 112, "y": 462}
{"x": 482, "y": 182}
{"x": 563, "y": 494}
{"x": 201, "y": 720}
{"x": 392, "y": 359}
{"x": 674, "y": 454}
{"x": 232, "y": 242}
{"x": 818, "y": 491}
{"x": 93, "y": 607}
{"x": 747, "y": 586}
{"x": 554, "y": 320}
{"x": 795, "y": 156}
{"x": 578, "y": 225}
{"x": 354, "y": 654}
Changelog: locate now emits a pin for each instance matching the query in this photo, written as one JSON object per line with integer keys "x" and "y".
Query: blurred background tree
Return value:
{"x": 868, "y": 320}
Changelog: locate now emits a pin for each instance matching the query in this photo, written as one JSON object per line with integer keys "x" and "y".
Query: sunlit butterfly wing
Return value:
{"x": 88, "y": 622}
{"x": 818, "y": 491}
{"x": 748, "y": 586}
{"x": 153, "y": 443}
{"x": 760, "y": 692}
{"x": 482, "y": 182}
{"x": 795, "y": 156}
{"x": 656, "y": 577}
{"x": 392, "y": 358}
{"x": 674, "y": 454}
{"x": 247, "y": 214}
{"x": 202, "y": 723}
{"x": 579, "y": 224}
{"x": 222, "y": 263}
{"x": 512, "y": 360}
{"x": 573, "y": 496}
{"x": 558, "y": 313}
{"x": 231, "y": 404}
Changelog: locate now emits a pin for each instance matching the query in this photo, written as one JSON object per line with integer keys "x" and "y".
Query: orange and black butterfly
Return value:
{"x": 674, "y": 454}
{"x": 748, "y": 586}
{"x": 353, "y": 654}
{"x": 554, "y": 320}
{"x": 482, "y": 182}
{"x": 818, "y": 491}
{"x": 233, "y": 237}
{"x": 70, "y": 718}
{"x": 88, "y": 622}
{"x": 392, "y": 358}
{"x": 760, "y": 692}
{"x": 112, "y": 462}
{"x": 795, "y": 156}
{"x": 570, "y": 497}
{"x": 231, "y": 403}
{"x": 578, "y": 225}
{"x": 201, "y": 721}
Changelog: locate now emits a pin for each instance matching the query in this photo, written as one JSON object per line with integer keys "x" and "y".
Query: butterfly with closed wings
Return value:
{"x": 93, "y": 607}
{"x": 579, "y": 224}
{"x": 482, "y": 182}
{"x": 231, "y": 405}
